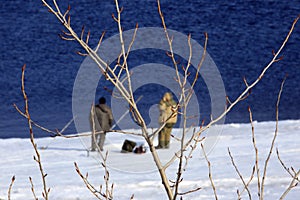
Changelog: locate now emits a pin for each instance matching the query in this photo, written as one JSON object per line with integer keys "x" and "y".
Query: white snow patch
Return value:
{"x": 136, "y": 174}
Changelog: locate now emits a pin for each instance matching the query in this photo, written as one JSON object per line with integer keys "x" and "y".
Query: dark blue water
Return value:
{"x": 242, "y": 35}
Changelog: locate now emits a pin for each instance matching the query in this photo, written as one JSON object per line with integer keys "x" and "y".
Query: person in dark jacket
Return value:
{"x": 102, "y": 123}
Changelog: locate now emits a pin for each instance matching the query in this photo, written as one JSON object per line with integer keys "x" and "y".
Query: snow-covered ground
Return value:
{"x": 136, "y": 174}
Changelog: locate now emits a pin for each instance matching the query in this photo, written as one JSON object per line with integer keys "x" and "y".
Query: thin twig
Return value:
{"x": 295, "y": 177}
{"x": 199, "y": 65}
{"x": 249, "y": 181}
{"x": 240, "y": 175}
{"x": 100, "y": 41}
{"x": 10, "y": 187}
{"x": 169, "y": 40}
{"x": 256, "y": 152}
{"x": 37, "y": 158}
{"x": 75, "y": 135}
{"x": 209, "y": 173}
{"x": 93, "y": 190}
{"x": 273, "y": 141}
{"x": 125, "y": 64}
{"x": 293, "y": 184}
{"x": 54, "y": 133}
{"x": 32, "y": 122}
{"x": 284, "y": 166}
{"x": 190, "y": 191}
{"x": 32, "y": 189}
{"x": 132, "y": 40}
{"x": 97, "y": 193}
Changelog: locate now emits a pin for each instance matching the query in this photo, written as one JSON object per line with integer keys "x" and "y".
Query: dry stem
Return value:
{"x": 256, "y": 153}
{"x": 209, "y": 173}
{"x": 285, "y": 167}
{"x": 273, "y": 142}
{"x": 93, "y": 190}
{"x": 32, "y": 189}
{"x": 240, "y": 175}
{"x": 293, "y": 184}
{"x": 37, "y": 158}
{"x": 295, "y": 177}
{"x": 10, "y": 187}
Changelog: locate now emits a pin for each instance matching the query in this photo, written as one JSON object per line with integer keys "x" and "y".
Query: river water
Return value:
{"x": 242, "y": 35}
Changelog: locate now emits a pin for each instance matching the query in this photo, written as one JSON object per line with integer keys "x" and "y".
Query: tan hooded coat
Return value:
{"x": 167, "y": 108}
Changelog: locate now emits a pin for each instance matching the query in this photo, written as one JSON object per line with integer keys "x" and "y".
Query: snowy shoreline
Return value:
{"x": 136, "y": 174}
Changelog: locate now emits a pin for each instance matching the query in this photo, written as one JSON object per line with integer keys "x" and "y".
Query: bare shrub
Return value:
{"x": 113, "y": 75}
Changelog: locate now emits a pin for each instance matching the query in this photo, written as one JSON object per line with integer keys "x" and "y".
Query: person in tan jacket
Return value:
{"x": 103, "y": 119}
{"x": 168, "y": 114}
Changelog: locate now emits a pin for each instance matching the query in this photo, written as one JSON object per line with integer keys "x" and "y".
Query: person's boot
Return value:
{"x": 93, "y": 147}
{"x": 167, "y": 145}
{"x": 100, "y": 146}
{"x": 160, "y": 146}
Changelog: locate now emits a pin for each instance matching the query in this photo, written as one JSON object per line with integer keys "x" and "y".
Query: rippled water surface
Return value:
{"x": 242, "y": 35}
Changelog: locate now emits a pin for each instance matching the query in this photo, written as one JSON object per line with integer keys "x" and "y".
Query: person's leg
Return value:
{"x": 167, "y": 137}
{"x": 102, "y": 140}
{"x": 93, "y": 137}
{"x": 168, "y": 131}
{"x": 161, "y": 139}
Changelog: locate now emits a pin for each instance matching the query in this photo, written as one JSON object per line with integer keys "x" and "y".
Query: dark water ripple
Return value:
{"x": 242, "y": 35}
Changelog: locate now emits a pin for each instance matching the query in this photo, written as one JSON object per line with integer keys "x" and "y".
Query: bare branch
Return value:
{"x": 190, "y": 191}
{"x": 185, "y": 69}
{"x": 245, "y": 81}
{"x": 35, "y": 124}
{"x": 132, "y": 40}
{"x": 240, "y": 175}
{"x": 56, "y": 6}
{"x": 256, "y": 153}
{"x": 209, "y": 172}
{"x": 93, "y": 190}
{"x": 10, "y": 187}
{"x": 244, "y": 93}
{"x": 100, "y": 63}
{"x": 113, "y": 75}
{"x": 293, "y": 184}
{"x": 295, "y": 177}
{"x": 82, "y": 33}
{"x": 66, "y": 13}
{"x": 59, "y": 134}
{"x": 284, "y": 166}
{"x": 69, "y": 20}
{"x": 199, "y": 65}
{"x": 100, "y": 41}
{"x": 38, "y": 157}
{"x": 32, "y": 189}
{"x": 273, "y": 141}
{"x": 81, "y": 54}
{"x": 54, "y": 133}
{"x": 113, "y": 16}
{"x": 66, "y": 38}
{"x": 66, "y": 33}
{"x": 169, "y": 39}
{"x": 88, "y": 37}
{"x": 250, "y": 179}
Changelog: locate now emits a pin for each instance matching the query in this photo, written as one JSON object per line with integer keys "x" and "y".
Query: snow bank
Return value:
{"x": 136, "y": 174}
